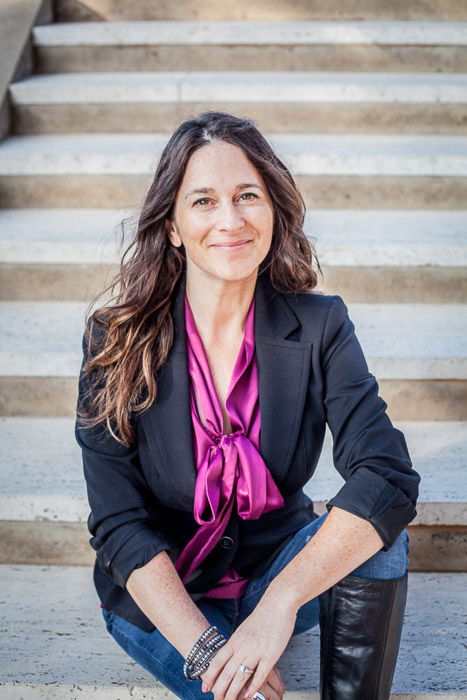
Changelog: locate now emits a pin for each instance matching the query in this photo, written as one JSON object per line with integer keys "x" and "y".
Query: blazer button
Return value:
{"x": 226, "y": 542}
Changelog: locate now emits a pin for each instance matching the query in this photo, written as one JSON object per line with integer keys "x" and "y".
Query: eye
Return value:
{"x": 245, "y": 194}
{"x": 203, "y": 199}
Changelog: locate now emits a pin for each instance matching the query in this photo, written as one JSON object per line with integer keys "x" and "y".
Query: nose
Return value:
{"x": 229, "y": 218}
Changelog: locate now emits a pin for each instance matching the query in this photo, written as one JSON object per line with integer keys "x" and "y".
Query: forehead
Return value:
{"x": 216, "y": 164}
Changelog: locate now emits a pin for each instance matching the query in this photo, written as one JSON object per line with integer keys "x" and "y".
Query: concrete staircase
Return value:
{"x": 366, "y": 103}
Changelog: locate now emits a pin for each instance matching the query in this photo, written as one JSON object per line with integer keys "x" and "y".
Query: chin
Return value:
{"x": 237, "y": 275}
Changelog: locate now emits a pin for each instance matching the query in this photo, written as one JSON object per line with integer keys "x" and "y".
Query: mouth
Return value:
{"x": 231, "y": 246}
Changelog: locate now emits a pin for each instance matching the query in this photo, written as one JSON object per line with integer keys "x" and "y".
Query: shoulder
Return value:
{"x": 96, "y": 327}
{"x": 321, "y": 316}
{"x": 93, "y": 336}
{"x": 317, "y": 307}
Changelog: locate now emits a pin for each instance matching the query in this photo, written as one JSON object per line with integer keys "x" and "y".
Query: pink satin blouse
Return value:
{"x": 231, "y": 472}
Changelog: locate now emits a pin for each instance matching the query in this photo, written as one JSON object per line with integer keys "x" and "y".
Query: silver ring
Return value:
{"x": 245, "y": 669}
{"x": 258, "y": 696}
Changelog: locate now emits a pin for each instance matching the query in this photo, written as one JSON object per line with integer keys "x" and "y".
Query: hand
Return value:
{"x": 273, "y": 688}
{"x": 258, "y": 643}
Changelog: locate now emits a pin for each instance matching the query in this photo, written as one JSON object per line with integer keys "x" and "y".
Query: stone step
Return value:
{"x": 43, "y": 492}
{"x": 57, "y": 645}
{"x": 301, "y": 10}
{"x": 331, "y": 170}
{"x": 422, "y": 46}
{"x": 279, "y": 102}
{"x": 379, "y": 256}
{"x": 417, "y": 351}
{"x": 350, "y": 238}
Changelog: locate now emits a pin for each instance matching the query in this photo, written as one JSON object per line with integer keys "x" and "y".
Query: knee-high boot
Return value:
{"x": 361, "y": 625}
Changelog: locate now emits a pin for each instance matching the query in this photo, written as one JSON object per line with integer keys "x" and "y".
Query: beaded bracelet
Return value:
{"x": 199, "y": 642}
{"x": 202, "y": 659}
{"x": 195, "y": 672}
{"x": 201, "y": 653}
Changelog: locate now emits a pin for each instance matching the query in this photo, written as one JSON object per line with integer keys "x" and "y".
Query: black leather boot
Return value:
{"x": 361, "y": 625}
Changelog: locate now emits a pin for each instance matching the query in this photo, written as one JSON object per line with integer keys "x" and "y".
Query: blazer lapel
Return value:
{"x": 283, "y": 372}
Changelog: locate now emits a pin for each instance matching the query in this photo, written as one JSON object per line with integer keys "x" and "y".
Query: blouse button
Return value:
{"x": 226, "y": 542}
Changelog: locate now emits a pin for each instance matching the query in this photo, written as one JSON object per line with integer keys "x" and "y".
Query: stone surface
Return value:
{"x": 74, "y": 10}
{"x": 41, "y": 477}
{"x": 38, "y": 396}
{"x": 56, "y": 642}
{"x": 183, "y": 56}
{"x": 296, "y": 117}
{"x": 400, "y": 341}
{"x": 136, "y": 33}
{"x": 68, "y": 643}
{"x": 298, "y": 87}
{"x": 319, "y": 191}
{"x": 304, "y": 154}
{"x": 48, "y": 543}
{"x": 341, "y": 237}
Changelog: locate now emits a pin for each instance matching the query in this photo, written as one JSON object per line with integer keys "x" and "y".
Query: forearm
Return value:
{"x": 159, "y": 592}
{"x": 342, "y": 543}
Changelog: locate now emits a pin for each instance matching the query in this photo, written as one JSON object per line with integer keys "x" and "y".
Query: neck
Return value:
{"x": 220, "y": 307}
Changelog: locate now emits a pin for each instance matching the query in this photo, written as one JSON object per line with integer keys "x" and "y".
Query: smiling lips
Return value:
{"x": 230, "y": 246}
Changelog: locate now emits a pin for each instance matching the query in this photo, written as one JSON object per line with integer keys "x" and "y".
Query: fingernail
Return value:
{"x": 205, "y": 687}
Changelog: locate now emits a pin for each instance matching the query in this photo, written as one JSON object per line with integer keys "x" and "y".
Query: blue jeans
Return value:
{"x": 153, "y": 651}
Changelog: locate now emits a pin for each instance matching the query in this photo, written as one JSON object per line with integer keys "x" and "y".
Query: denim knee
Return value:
{"x": 155, "y": 653}
{"x": 390, "y": 564}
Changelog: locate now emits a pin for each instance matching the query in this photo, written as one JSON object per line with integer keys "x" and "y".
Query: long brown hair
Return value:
{"x": 127, "y": 342}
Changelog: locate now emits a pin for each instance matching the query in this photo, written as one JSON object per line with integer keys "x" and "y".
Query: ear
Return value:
{"x": 173, "y": 235}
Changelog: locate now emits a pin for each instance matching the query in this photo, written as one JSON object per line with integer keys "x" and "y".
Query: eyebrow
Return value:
{"x": 207, "y": 190}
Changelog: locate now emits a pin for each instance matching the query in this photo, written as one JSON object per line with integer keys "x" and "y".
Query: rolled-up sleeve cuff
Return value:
{"x": 372, "y": 497}
{"x": 141, "y": 545}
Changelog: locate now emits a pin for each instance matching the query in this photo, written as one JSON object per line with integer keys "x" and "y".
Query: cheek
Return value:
{"x": 267, "y": 231}
{"x": 192, "y": 236}
{"x": 265, "y": 222}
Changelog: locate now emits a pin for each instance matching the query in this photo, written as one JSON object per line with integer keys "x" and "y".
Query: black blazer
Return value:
{"x": 311, "y": 371}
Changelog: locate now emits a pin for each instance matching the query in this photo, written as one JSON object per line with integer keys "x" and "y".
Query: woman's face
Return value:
{"x": 223, "y": 215}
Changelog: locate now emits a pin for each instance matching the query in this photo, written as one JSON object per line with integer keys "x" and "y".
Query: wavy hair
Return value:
{"x": 127, "y": 341}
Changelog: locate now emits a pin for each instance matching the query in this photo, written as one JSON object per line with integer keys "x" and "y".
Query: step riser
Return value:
{"x": 273, "y": 117}
{"x": 58, "y": 544}
{"x": 67, "y": 544}
{"x": 414, "y": 400}
{"x": 395, "y": 284}
{"x": 53, "y": 282}
{"x": 323, "y": 57}
{"x": 438, "y": 548}
{"x": 293, "y": 10}
{"x": 31, "y": 282}
{"x": 321, "y": 192}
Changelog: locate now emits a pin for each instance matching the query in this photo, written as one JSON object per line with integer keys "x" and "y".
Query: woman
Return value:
{"x": 203, "y": 399}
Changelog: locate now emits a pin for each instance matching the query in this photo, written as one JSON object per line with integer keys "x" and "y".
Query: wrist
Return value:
{"x": 279, "y": 597}
{"x": 191, "y": 636}
{"x": 199, "y": 657}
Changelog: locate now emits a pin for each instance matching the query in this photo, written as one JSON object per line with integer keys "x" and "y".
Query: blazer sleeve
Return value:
{"x": 123, "y": 518}
{"x": 368, "y": 451}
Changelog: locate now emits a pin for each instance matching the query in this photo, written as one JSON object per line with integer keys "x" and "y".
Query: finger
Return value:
{"x": 231, "y": 682}
{"x": 279, "y": 677}
{"x": 216, "y": 666}
{"x": 270, "y": 692}
{"x": 275, "y": 681}
{"x": 259, "y": 678}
